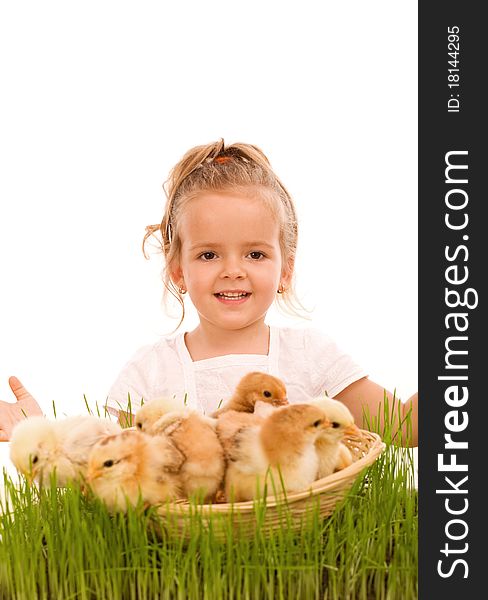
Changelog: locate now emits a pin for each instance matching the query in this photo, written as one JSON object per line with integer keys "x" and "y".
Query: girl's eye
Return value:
{"x": 256, "y": 255}
{"x": 208, "y": 255}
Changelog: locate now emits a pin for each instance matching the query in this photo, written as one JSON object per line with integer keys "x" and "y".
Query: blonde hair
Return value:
{"x": 218, "y": 168}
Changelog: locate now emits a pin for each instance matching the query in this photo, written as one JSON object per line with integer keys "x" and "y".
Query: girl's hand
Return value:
{"x": 13, "y": 412}
{"x": 366, "y": 395}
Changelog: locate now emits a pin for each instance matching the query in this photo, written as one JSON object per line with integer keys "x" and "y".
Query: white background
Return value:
{"x": 99, "y": 100}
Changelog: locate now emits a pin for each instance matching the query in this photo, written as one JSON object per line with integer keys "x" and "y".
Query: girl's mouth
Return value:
{"x": 232, "y": 297}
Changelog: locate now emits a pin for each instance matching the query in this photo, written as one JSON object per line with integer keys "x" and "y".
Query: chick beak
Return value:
{"x": 352, "y": 430}
{"x": 91, "y": 475}
{"x": 281, "y": 401}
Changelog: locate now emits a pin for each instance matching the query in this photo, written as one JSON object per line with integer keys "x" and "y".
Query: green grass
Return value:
{"x": 62, "y": 544}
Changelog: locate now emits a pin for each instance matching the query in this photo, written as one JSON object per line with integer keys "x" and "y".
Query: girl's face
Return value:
{"x": 230, "y": 259}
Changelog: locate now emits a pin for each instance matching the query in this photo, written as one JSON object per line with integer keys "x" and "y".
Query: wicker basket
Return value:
{"x": 275, "y": 511}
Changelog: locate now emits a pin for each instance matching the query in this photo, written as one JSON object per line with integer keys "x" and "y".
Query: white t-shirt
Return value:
{"x": 307, "y": 361}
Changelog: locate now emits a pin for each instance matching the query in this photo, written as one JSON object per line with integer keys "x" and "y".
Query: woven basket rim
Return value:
{"x": 331, "y": 483}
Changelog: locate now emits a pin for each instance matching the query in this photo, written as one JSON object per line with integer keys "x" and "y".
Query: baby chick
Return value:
{"x": 252, "y": 387}
{"x": 131, "y": 466}
{"x": 153, "y": 410}
{"x": 195, "y": 436}
{"x": 263, "y": 409}
{"x": 41, "y": 446}
{"x": 333, "y": 454}
{"x": 283, "y": 445}
{"x": 231, "y": 423}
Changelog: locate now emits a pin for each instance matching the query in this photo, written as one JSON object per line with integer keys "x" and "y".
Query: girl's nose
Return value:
{"x": 233, "y": 269}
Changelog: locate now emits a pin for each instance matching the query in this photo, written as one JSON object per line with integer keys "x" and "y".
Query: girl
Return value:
{"x": 229, "y": 237}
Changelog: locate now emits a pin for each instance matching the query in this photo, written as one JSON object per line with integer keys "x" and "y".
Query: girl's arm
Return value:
{"x": 366, "y": 396}
{"x": 124, "y": 418}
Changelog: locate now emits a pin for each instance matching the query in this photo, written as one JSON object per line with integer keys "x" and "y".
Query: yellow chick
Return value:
{"x": 333, "y": 454}
{"x": 131, "y": 466}
{"x": 40, "y": 446}
{"x": 283, "y": 445}
{"x": 194, "y": 435}
{"x": 153, "y": 410}
{"x": 252, "y": 387}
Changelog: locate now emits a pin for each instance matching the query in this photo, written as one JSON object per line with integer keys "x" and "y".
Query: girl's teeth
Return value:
{"x": 232, "y": 296}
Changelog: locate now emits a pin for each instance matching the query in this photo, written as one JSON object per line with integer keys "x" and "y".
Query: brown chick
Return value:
{"x": 283, "y": 446}
{"x": 131, "y": 466}
{"x": 194, "y": 435}
{"x": 252, "y": 387}
{"x": 333, "y": 454}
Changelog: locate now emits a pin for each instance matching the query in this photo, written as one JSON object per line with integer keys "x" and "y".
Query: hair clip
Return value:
{"x": 169, "y": 232}
{"x": 221, "y": 160}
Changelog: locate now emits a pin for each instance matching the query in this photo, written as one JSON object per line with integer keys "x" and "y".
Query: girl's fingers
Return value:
{"x": 18, "y": 389}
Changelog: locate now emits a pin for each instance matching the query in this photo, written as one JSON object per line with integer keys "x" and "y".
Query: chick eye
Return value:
{"x": 108, "y": 463}
{"x": 35, "y": 459}
{"x": 267, "y": 394}
{"x": 335, "y": 425}
{"x": 318, "y": 423}
{"x": 139, "y": 425}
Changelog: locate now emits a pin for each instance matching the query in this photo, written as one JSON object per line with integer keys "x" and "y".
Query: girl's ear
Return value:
{"x": 287, "y": 273}
{"x": 176, "y": 274}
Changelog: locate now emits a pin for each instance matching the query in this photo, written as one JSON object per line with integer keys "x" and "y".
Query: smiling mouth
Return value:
{"x": 232, "y": 295}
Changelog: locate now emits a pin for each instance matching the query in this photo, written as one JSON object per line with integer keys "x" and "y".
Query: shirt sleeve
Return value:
{"x": 331, "y": 370}
{"x": 132, "y": 385}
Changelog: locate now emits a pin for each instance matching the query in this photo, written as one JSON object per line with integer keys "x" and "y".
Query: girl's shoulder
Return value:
{"x": 308, "y": 346}
{"x": 305, "y": 338}
{"x": 312, "y": 358}
{"x": 165, "y": 350}
{"x": 150, "y": 372}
